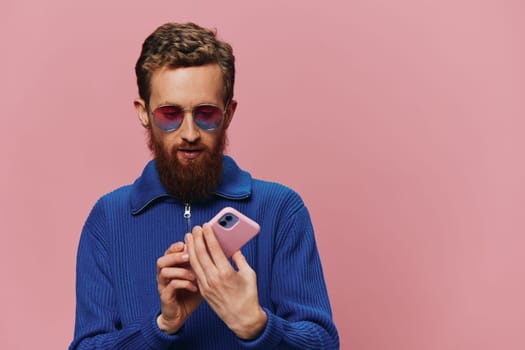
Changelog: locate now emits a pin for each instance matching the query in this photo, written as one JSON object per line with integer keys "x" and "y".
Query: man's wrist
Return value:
{"x": 166, "y": 327}
{"x": 255, "y": 328}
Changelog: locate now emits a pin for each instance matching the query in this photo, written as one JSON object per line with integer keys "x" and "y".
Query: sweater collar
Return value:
{"x": 235, "y": 184}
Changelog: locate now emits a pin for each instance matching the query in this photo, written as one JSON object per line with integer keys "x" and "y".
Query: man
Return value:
{"x": 149, "y": 276}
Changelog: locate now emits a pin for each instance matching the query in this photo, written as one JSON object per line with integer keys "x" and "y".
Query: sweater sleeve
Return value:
{"x": 97, "y": 323}
{"x": 301, "y": 317}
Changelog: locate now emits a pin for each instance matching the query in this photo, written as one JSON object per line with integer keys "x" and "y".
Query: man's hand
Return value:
{"x": 179, "y": 294}
{"x": 231, "y": 294}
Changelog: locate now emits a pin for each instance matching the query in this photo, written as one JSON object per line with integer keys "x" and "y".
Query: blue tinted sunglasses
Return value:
{"x": 170, "y": 117}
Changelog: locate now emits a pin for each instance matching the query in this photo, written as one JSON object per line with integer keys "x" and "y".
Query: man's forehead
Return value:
{"x": 210, "y": 69}
{"x": 187, "y": 85}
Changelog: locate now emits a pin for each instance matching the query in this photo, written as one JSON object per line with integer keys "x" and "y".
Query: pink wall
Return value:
{"x": 400, "y": 122}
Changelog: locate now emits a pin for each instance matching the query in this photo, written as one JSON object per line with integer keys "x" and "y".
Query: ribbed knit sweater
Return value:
{"x": 131, "y": 227}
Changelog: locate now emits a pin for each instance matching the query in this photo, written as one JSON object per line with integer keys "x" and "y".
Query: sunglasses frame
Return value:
{"x": 186, "y": 110}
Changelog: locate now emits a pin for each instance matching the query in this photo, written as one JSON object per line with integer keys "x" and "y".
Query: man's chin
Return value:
{"x": 189, "y": 172}
{"x": 192, "y": 178}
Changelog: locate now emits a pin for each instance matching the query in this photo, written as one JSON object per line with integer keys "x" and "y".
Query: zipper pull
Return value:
{"x": 187, "y": 211}
{"x": 187, "y": 215}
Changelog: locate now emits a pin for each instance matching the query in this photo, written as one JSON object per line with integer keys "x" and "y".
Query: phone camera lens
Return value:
{"x": 223, "y": 223}
{"x": 228, "y": 218}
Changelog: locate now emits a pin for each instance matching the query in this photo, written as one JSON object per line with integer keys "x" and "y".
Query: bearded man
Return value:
{"x": 149, "y": 276}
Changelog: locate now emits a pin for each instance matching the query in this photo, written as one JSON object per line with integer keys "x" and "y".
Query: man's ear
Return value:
{"x": 142, "y": 112}
{"x": 230, "y": 111}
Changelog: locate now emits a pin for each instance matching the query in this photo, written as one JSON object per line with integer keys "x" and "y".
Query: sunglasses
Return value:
{"x": 170, "y": 117}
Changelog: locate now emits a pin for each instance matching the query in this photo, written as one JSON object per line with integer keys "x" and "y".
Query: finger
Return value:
{"x": 242, "y": 265}
{"x": 214, "y": 248}
{"x": 239, "y": 260}
{"x": 169, "y": 273}
{"x": 175, "y": 247}
{"x": 201, "y": 251}
{"x": 172, "y": 259}
{"x": 171, "y": 288}
{"x": 194, "y": 261}
{"x": 163, "y": 283}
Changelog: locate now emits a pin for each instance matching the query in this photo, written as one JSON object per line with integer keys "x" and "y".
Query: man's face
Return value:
{"x": 189, "y": 159}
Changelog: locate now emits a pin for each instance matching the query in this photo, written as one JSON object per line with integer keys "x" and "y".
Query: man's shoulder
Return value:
{"x": 108, "y": 206}
{"x": 119, "y": 192}
{"x": 275, "y": 193}
{"x": 267, "y": 185}
{"x": 117, "y": 197}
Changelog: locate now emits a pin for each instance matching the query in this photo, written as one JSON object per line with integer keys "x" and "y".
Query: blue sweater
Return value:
{"x": 130, "y": 228}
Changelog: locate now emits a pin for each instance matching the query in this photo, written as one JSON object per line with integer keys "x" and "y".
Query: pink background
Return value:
{"x": 400, "y": 122}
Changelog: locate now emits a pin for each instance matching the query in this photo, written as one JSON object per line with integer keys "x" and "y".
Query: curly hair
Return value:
{"x": 175, "y": 45}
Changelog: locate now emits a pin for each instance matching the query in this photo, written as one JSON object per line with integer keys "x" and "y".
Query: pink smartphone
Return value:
{"x": 233, "y": 229}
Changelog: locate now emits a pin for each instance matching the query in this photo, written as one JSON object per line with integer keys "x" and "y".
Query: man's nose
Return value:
{"x": 189, "y": 130}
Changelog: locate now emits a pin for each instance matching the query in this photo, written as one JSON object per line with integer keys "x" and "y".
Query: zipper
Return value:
{"x": 187, "y": 215}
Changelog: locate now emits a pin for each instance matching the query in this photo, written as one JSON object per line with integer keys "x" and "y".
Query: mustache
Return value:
{"x": 198, "y": 146}
{"x": 189, "y": 146}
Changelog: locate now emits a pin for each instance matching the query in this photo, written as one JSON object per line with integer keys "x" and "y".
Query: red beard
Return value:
{"x": 192, "y": 182}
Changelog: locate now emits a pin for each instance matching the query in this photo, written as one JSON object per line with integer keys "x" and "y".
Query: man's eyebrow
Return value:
{"x": 205, "y": 102}
{"x": 168, "y": 103}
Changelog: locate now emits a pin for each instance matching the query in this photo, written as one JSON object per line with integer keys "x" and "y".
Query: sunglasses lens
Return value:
{"x": 207, "y": 117}
{"x": 168, "y": 118}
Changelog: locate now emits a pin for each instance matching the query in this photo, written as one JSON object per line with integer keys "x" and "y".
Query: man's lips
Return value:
{"x": 189, "y": 153}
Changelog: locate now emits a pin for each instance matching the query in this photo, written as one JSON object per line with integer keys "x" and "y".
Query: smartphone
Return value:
{"x": 233, "y": 229}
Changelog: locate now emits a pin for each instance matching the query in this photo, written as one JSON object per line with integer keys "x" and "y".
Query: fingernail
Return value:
{"x": 185, "y": 257}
